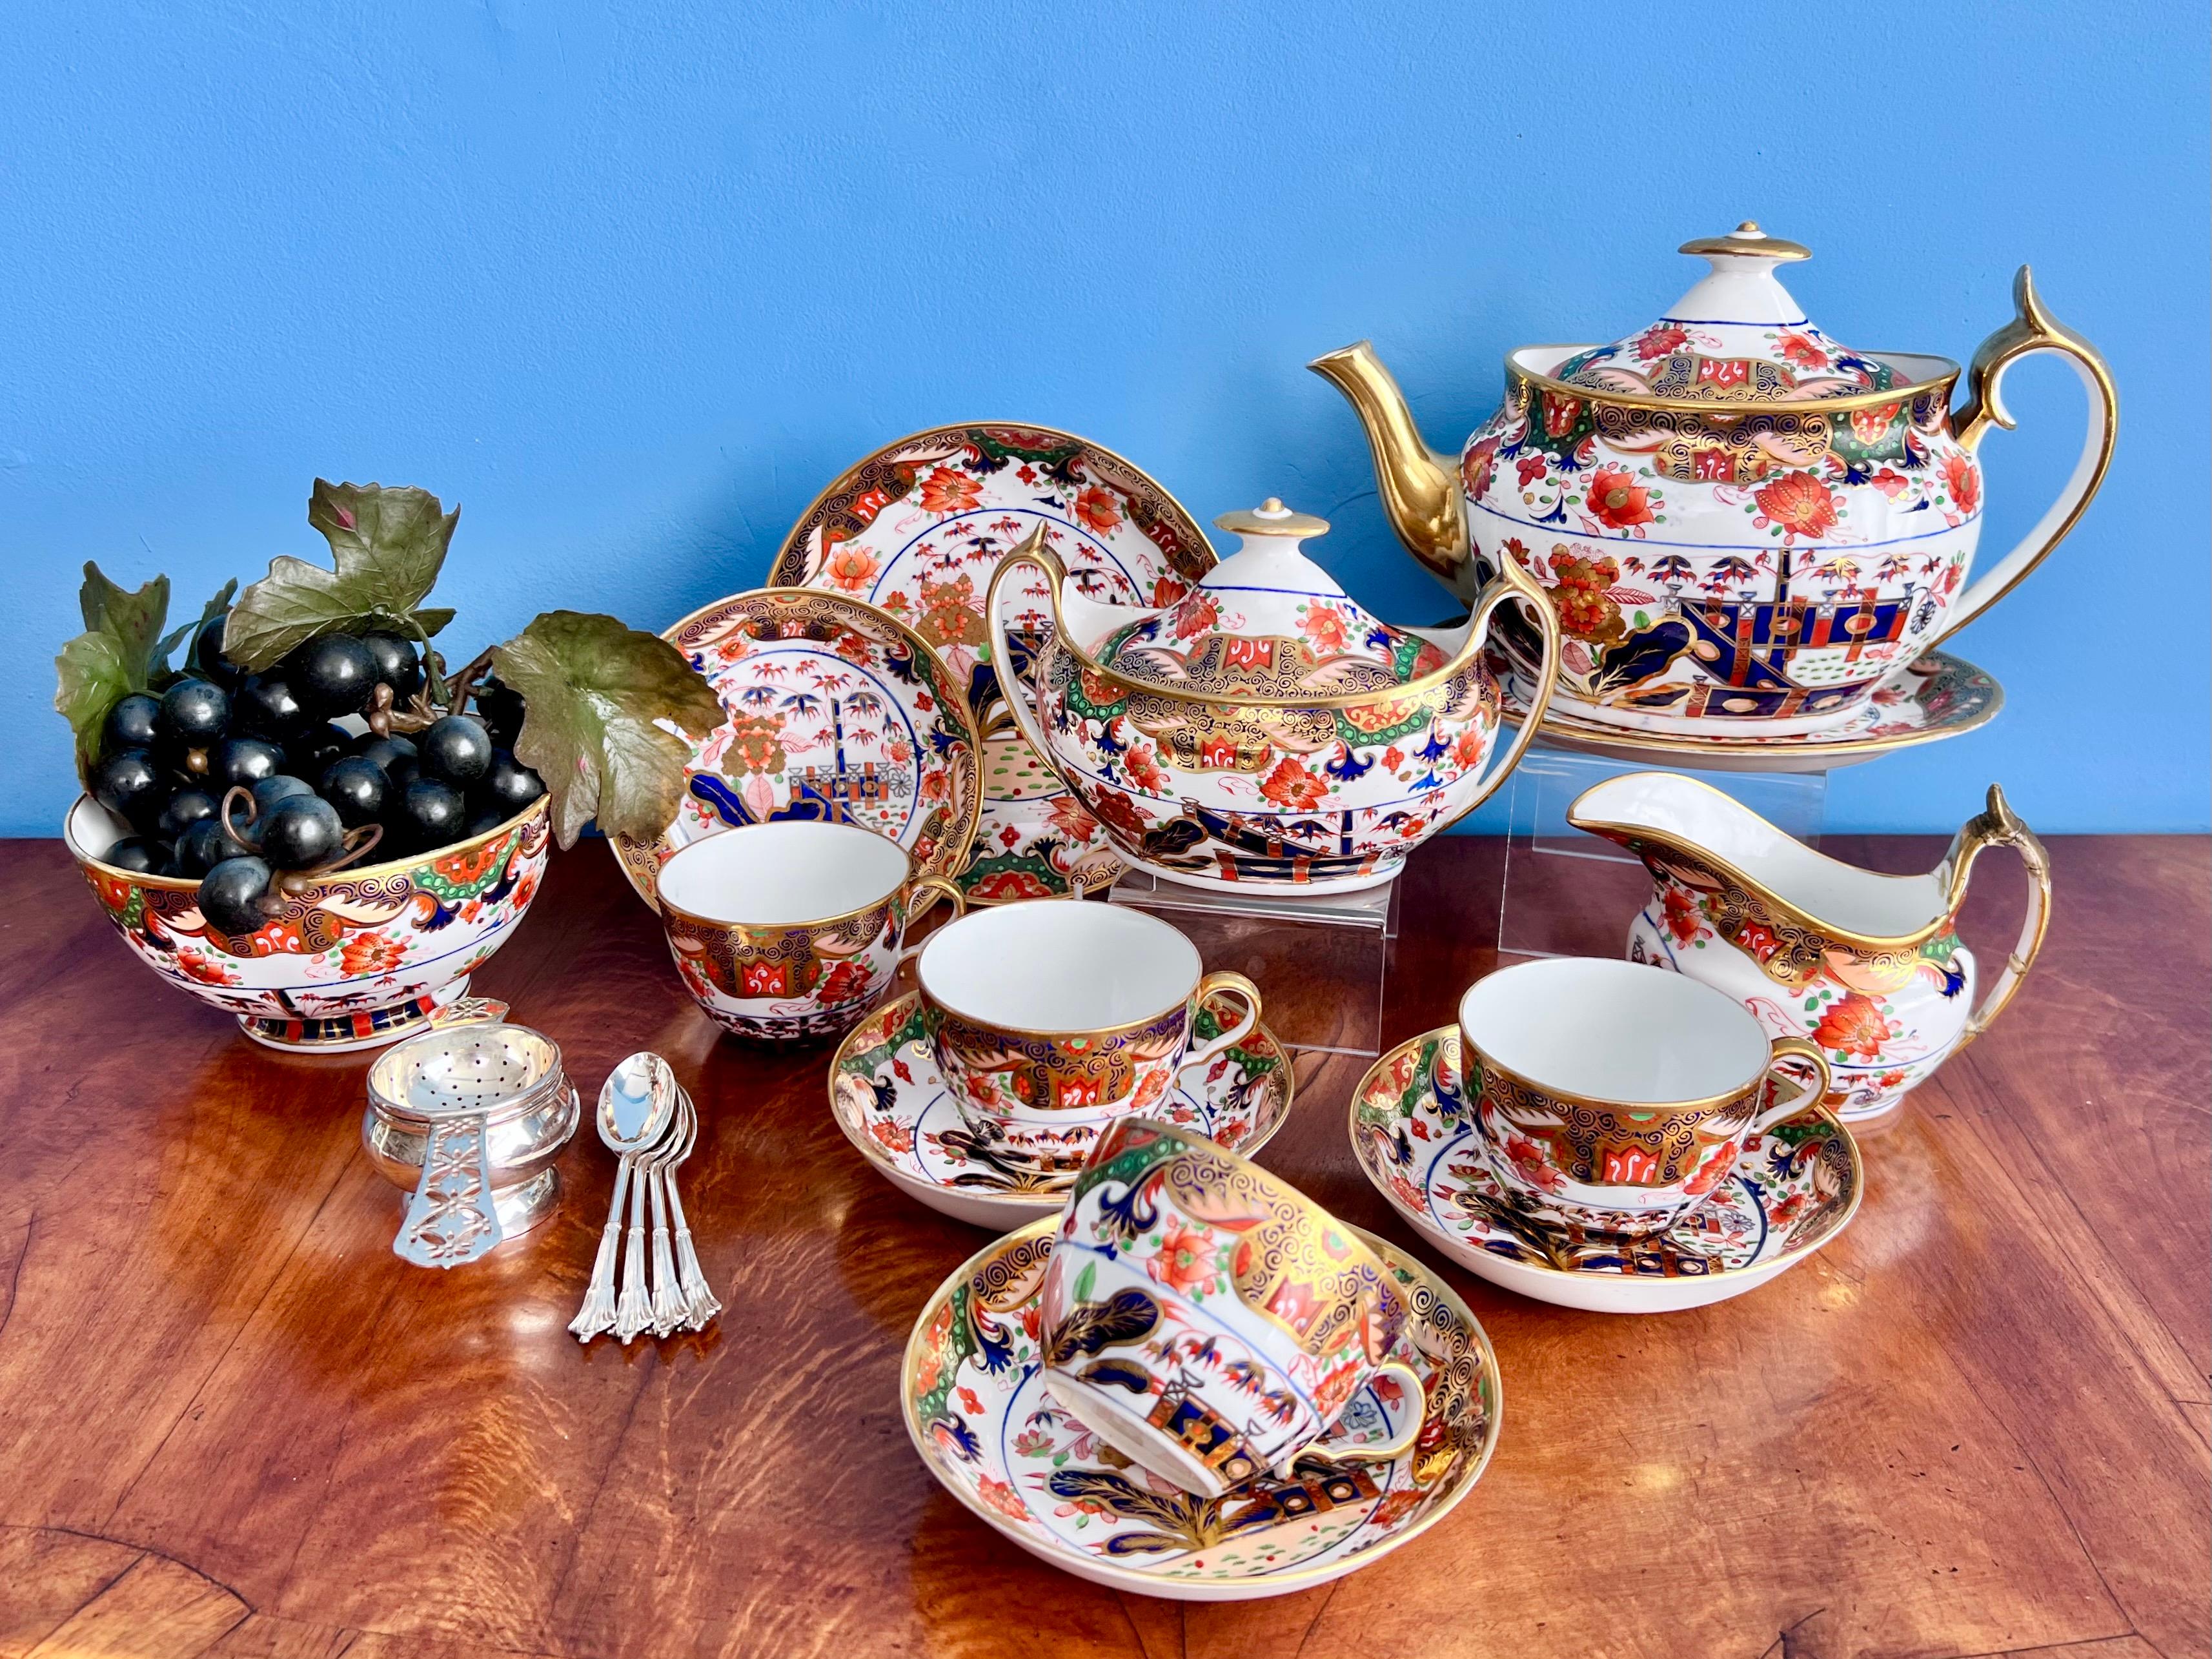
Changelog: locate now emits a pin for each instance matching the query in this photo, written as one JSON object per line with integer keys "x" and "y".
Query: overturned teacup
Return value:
{"x": 1052, "y": 1018}
{"x": 792, "y": 931}
{"x": 1210, "y": 1322}
{"x": 1617, "y": 1098}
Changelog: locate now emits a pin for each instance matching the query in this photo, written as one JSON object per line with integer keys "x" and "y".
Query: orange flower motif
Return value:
{"x": 1073, "y": 820}
{"x": 1802, "y": 351}
{"x": 1853, "y": 1025}
{"x": 1324, "y": 626}
{"x": 1097, "y": 508}
{"x": 1660, "y": 339}
{"x": 1143, "y": 766}
{"x": 1185, "y": 1261}
{"x": 945, "y": 490}
{"x": 371, "y": 953}
{"x": 1584, "y": 596}
{"x": 1002, "y": 1497}
{"x": 1476, "y": 467}
{"x": 1167, "y": 589}
{"x": 850, "y": 568}
{"x": 1468, "y": 751}
{"x": 1289, "y": 785}
{"x": 1195, "y": 615}
{"x": 1964, "y": 481}
{"x": 1619, "y": 501}
{"x": 1798, "y": 504}
{"x": 1681, "y": 916}
{"x": 890, "y": 1135}
{"x": 206, "y": 968}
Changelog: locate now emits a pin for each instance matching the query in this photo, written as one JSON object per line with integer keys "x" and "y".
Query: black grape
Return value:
{"x": 186, "y": 808}
{"x": 241, "y": 762}
{"x": 356, "y": 786}
{"x": 309, "y": 754}
{"x": 203, "y": 846}
{"x": 205, "y": 659}
{"x": 385, "y": 751}
{"x": 500, "y": 707}
{"x": 483, "y": 820}
{"x": 231, "y": 896}
{"x": 506, "y": 784}
{"x": 397, "y": 665}
{"x": 268, "y": 791}
{"x": 400, "y": 771}
{"x": 430, "y": 815}
{"x": 300, "y": 832}
{"x": 128, "y": 783}
{"x": 332, "y": 674}
{"x": 195, "y": 713}
{"x": 455, "y": 749}
{"x": 142, "y": 855}
{"x": 267, "y": 707}
{"x": 131, "y": 724}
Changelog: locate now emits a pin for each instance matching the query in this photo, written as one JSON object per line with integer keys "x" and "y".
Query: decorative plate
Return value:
{"x": 889, "y": 1101}
{"x": 970, "y": 1387}
{"x": 1935, "y": 696}
{"x": 836, "y": 711}
{"x": 1795, "y": 1188}
{"x": 919, "y": 526}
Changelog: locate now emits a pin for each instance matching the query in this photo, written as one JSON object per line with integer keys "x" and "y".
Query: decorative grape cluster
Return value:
{"x": 213, "y": 774}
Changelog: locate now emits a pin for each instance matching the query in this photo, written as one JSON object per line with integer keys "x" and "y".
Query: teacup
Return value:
{"x": 1211, "y": 1324}
{"x": 791, "y": 931}
{"x": 1617, "y": 1096}
{"x": 1053, "y": 1018}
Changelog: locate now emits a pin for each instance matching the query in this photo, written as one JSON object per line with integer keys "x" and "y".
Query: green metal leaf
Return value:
{"x": 387, "y": 546}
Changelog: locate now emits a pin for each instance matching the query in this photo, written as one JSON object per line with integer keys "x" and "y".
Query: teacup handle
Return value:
{"x": 1224, "y": 979}
{"x": 1399, "y": 1444}
{"x": 933, "y": 888}
{"x": 1787, "y": 1049}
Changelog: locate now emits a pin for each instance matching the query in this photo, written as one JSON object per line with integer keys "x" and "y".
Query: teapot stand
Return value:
{"x": 1318, "y": 960}
{"x": 1568, "y": 894}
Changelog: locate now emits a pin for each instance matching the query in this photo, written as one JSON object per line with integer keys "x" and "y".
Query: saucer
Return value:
{"x": 918, "y": 527}
{"x": 1935, "y": 697}
{"x": 1795, "y": 1188}
{"x": 836, "y": 711}
{"x": 970, "y": 1386}
{"x": 889, "y": 1101}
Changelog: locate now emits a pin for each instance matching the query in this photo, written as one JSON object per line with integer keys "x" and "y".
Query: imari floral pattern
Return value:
{"x": 1723, "y": 546}
{"x": 917, "y": 529}
{"x": 975, "y": 1403}
{"x": 834, "y": 711}
{"x": 777, "y": 984}
{"x": 361, "y": 957}
{"x": 1414, "y": 1132}
{"x": 893, "y": 1104}
{"x": 1935, "y": 697}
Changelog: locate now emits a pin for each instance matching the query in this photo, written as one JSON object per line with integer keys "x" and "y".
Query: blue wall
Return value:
{"x": 631, "y": 281}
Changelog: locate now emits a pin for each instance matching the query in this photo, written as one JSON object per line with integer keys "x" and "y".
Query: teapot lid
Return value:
{"x": 1735, "y": 337}
{"x": 1265, "y": 623}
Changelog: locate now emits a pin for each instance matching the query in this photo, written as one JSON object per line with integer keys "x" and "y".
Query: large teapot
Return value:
{"x": 1743, "y": 524}
{"x": 1264, "y": 731}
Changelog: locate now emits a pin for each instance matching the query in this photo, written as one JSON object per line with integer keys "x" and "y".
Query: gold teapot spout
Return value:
{"x": 1419, "y": 487}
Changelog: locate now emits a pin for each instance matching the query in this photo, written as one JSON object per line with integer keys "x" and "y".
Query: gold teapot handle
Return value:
{"x": 2032, "y": 329}
{"x": 1512, "y": 582}
{"x": 1034, "y": 553}
{"x": 1996, "y": 826}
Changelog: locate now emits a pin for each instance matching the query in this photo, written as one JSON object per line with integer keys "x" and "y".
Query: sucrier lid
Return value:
{"x": 1735, "y": 337}
{"x": 1267, "y": 623}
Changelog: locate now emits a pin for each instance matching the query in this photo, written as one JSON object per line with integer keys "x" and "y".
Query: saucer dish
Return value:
{"x": 918, "y": 527}
{"x": 890, "y": 1100}
{"x": 1936, "y": 696}
{"x": 1795, "y": 1188}
{"x": 971, "y": 1388}
{"x": 836, "y": 711}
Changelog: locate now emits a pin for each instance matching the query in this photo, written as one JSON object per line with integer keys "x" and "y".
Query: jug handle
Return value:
{"x": 1996, "y": 826}
{"x": 1034, "y": 553}
{"x": 1512, "y": 582}
{"x": 2032, "y": 329}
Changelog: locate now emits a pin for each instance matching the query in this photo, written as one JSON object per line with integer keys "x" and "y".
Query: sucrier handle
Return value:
{"x": 1034, "y": 553}
{"x": 1995, "y": 826}
{"x": 1511, "y": 582}
{"x": 1788, "y": 1050}
{"x": 2032, "y": 329}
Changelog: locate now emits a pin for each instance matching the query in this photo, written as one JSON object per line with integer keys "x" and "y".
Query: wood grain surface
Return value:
{"x": 232, "y": 1422}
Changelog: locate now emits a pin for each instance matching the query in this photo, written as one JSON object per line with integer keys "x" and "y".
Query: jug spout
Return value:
{"x": 1419, "y": 487}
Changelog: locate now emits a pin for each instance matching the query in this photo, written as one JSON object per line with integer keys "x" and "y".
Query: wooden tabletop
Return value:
{"x": 233, "y": 1423}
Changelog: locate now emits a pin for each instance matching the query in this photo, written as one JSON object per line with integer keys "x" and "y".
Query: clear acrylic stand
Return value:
{"x": 1319, "y": 959}
{"x": 1570, "y": 894}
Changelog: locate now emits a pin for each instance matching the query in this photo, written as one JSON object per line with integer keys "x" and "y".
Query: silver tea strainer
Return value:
{"x": 469, "y": 1118}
